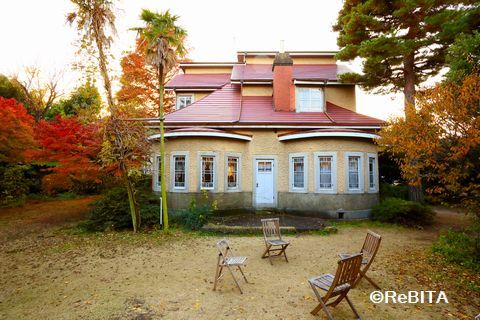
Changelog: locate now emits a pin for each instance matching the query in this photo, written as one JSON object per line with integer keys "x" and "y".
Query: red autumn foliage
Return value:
{"x": 73, "y": 146}
{"x": 16, "y": 131}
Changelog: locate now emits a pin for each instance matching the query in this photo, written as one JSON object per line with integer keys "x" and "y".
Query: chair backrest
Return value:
{"x": 271, "y": 228}
{"x": 223, "y": 248}
{"x": 371, "y": 245}
{"x": 347, "y": 273}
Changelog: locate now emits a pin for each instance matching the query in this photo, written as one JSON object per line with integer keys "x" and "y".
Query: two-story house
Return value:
{"x": 273, "y": 130}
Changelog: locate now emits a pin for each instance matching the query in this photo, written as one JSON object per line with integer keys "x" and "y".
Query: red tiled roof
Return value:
{"x": 220, "y": 106}
{"x": 333, "y": 130}
{"x": 211, "y": 80}
{"x": 223, "y": 106}
{"x": 203, "y": 129}
{"x": 259, "y": 72}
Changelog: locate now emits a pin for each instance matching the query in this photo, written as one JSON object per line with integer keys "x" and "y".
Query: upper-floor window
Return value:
{"x": 184, "y": 100}
{"x": 310, "y": 99}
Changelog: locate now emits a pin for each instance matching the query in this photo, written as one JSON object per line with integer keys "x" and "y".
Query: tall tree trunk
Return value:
{"x": 134, "y": 210}
{"x": 161, "y": 77}
{"x": 415, "y": 192}
{"x": 103, "y": 70}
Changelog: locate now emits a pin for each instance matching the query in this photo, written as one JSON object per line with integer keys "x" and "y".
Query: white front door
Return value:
{"x": 264, "y": 183}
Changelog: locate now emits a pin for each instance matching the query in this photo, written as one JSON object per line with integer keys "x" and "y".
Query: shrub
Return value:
{"x": 14, "y": 185}
{"x": 460, "y": 247}
{"x": 197, "y": 215}
{"x": 408, "y": 213}
{"x": 388, "y": 190}
{"x": 112, "y": 211}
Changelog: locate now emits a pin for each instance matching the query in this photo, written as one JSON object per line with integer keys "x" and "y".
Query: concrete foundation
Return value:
{"x": 329, "y": 206}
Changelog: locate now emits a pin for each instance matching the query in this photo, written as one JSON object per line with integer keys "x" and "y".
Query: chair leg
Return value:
{"x": 264, "y": 255}
{"x": 352, "y": 307}
{"x": 372, "y": 282}
{"x": 321, "y": 304}
{"x": 218, "y": 271}
{"x": 243, "y": 274}
{"x": 284, "y": 252}
{"x": 235, "y": 279}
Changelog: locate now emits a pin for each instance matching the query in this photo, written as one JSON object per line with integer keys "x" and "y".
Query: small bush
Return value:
{"x": 197, "y": 215}
{"x": 408, "y": 213}
{"x": 460, "y": 247}
{"x": 112, "y": 211}
{"x": 388, "y": 190}
{"x": 14, "y": 184}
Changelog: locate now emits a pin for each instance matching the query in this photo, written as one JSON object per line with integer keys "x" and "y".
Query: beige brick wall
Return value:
{"x": 265, "y": 143}
{"x": 342, "y": 95}
{"x": 257, "y": 90}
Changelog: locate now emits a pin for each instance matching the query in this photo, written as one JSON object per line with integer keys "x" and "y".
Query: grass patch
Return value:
{"x": 460, "y": 247}
{"x": 365, "y": 224}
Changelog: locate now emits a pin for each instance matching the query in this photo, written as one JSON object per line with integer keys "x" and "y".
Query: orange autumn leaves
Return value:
{"x": 440, "y": 143}
{"x": 139, "y": 84}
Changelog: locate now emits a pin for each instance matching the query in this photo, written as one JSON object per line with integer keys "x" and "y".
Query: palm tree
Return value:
{"x": 93, "y": 19}
{"x": 163, "y": 42}
{"x": 95, "y": 23}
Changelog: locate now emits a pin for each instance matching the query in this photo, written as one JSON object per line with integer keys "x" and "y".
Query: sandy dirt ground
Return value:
{"x": 47, "y": 273}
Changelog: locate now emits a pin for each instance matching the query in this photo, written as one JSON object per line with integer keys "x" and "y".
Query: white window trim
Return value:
{"x": 291, "y": 187}
{"x": 316, "y": 170}
{"x": 215, "y": 169}
{"x": 239, "y": 172}
{"x": 172, "y": 171}
{"x": 310, "y": 87}
{"x": 361, "y": 174}
{"x": 375, "y": 173}
{"x": 156, "y": 174}
{"x": 192, "y": 99}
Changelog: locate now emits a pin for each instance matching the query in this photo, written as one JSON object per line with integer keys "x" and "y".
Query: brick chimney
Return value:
{"x": 283, "y": 88}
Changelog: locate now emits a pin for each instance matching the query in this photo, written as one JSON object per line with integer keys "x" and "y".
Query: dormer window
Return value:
{"x": 184, "y": 100}
{"x": 310, "y": 99}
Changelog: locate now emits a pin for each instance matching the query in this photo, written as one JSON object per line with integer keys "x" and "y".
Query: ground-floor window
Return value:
{"x": 354, "y": 172}
{"x": 179, "y": 171}
{"x": 207, "y": 176}
{"x": 372, "y": 172}
{"x": 298, "y": 172}
{"x": 325, "y": 172}
{"x": 233, "y": 169}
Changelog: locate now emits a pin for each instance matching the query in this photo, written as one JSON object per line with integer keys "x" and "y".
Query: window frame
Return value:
{"x": 173, "y": 155}
{"x": 316, "y": 170}
{"x": 361, "y": 174}
{"x": 291, "y": 175}
{"x": 156, "y": 173}
{"x": 202, "y": 154}
{"x": 239, "y": 171}
{"x": 180, "y": 96}
{"x": 375, "y": 172}
{"x": 309, "y": 108}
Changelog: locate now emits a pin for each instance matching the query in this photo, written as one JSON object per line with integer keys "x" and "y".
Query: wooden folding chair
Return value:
{"x": 226, "y": 259}
{"x": 273, "y": 240}
{"x": 338, "y": 285}
{"x": 369, "y": 251}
